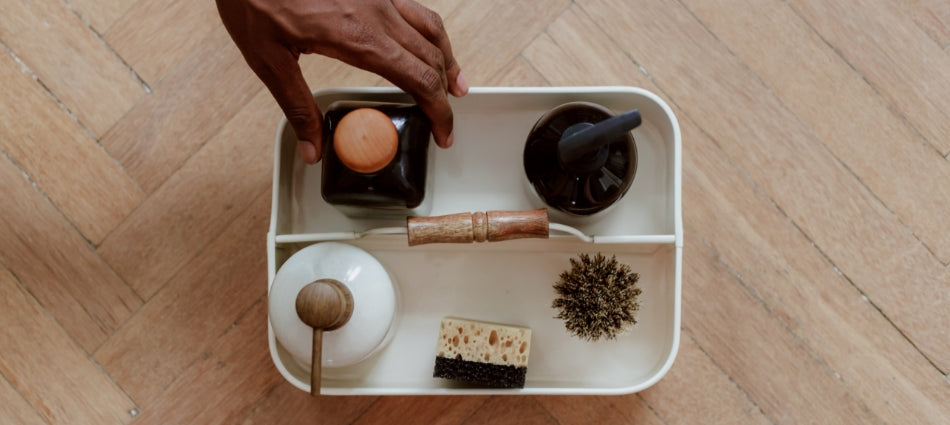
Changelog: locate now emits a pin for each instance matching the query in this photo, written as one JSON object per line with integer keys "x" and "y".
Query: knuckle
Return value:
{"x": 430, "y": 82}
{"x": 302, "y": 118}
{"x": 438, "y": 60}
{"x": 270, "y": 67}
{"x": 435, "y": 59}
{"x": 449, "y": 64}
{"x": 255, "y": 58}
{"x": 449, "y": 118}
{"x": 434, "y": 24}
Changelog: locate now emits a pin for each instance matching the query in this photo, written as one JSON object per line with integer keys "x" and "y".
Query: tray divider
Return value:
{"x": 635, "y": 239}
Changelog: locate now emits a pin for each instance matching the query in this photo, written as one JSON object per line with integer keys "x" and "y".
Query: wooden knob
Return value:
{"x": 365, "y": 140}
{"x": 324, "y": 305}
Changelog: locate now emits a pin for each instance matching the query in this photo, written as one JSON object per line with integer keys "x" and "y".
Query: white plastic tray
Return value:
{"x": 508, "y": 282}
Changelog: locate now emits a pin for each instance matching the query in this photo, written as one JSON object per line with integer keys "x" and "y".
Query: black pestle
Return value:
{"x": 581, "y": 147}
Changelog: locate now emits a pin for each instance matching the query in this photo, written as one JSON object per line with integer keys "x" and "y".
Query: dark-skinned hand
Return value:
{"x": 400, "y": 40}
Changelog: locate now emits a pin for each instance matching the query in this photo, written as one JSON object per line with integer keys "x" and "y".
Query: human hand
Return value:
{"x": 401, "y": 40}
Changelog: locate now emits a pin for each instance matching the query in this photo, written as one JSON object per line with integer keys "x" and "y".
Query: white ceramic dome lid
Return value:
{"x": 374, "y": 303}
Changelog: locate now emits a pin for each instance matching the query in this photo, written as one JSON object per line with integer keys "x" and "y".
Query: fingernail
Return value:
{"x": 461, "y": 84}
{"x": 307, "y": 151}
{"x": 450, "y": 140}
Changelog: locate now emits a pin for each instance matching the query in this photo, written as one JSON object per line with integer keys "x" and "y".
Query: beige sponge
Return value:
{"x": 483, "y": 353}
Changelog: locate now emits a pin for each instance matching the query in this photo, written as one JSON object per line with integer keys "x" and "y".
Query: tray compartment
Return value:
{"x": 483, "y": 170}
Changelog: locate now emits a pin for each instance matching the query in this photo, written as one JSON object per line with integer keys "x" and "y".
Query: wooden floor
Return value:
{"x": 135, "y": 188}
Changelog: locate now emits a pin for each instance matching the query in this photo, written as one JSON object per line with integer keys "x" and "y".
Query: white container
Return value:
{"x": 375, "y": 298}
{"x": 511, "y": 281}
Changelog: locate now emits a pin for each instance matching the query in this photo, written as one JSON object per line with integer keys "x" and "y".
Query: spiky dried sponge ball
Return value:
{"x": 598, "y": 297}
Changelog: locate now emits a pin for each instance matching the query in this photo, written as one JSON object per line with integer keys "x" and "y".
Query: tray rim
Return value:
{"x": 677, "y": 245}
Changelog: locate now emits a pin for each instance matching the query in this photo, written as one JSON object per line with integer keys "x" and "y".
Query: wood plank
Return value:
{"x": 181, "y": 322}
{"x": 51, "y": 372}
{"x": 628, "y": 409}
{"x": 867, "y": 242}
{"x": 198, "y": 201}
{"x": 882, "y": 42}
{"x": 288, "y": 405}
{"x": 434, "y": 410}
{"x": 224, "y": 385}
{"x": 556, "y": 65}
{"x": 189, "y": 106}
{"x": 155, "y": 35}
{"x": 500, "y": 27}
{"x": 13, "y": 407}
{"x": 101, "y": 14}
{"x": 696, "y": 391}
{"x": 500, "y": 410}
{"x": 57, "y": 266}
{"x": 575, "y": 51}
{"x": 79, "y": 177}
{"x": 70, "y": 60}
{"x": 783, "y": 269}
{"x": 933, "y": 16}
{"x": 518, "y": 73}
{"x": 777, "y": 371}
{"x": 838, "y": 105}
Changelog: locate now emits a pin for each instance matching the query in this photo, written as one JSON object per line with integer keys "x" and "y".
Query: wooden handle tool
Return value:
{"x": 489, "y": 226}
{"x": 324, "y": 305}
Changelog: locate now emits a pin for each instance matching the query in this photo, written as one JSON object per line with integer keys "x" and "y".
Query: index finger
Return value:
{"x": 430, "y": 25}
{"x": 278, "y": 68}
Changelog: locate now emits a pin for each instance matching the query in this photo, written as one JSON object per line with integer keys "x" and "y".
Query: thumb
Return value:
{"x": 281, "y": 73}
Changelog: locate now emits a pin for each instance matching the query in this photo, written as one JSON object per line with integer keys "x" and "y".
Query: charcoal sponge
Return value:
{"x": 481, "y": 353}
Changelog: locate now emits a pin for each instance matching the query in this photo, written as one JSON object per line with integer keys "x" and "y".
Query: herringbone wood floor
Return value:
{"x": 135, "y": 195}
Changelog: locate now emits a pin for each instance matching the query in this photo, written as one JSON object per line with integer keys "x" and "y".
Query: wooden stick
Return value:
{"x": 324, "y": 305}
{"x": 478, "y": 227}
{"x": 316, "y": 362}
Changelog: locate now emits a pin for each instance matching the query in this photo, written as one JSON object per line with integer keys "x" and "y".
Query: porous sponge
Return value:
{"x": 483, "y": 353}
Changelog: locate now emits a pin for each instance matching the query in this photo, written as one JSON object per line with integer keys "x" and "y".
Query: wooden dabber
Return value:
{"x": 324, "y": 305}
{"x": 488, "y": 226}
